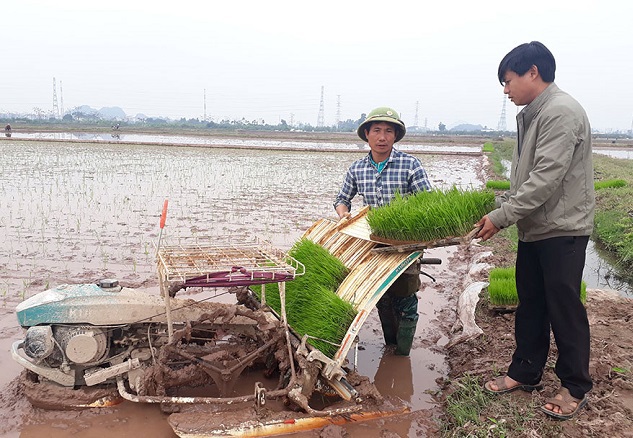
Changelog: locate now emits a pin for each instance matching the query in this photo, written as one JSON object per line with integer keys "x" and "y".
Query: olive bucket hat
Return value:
{"x": 382, "y": 114}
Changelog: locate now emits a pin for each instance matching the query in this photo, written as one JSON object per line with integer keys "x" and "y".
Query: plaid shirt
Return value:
{"x": 403, "y": 174}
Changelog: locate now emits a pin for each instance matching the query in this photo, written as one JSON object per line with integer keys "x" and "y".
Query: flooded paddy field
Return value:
{"x": 80, "y": 212}
{"x": 345, "y": 143}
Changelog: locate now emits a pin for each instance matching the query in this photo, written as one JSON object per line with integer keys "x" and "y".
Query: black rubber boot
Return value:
{"x": 387, "y": 320}
{"x": 404, "y": 338}
{"x": 388, "y": 323}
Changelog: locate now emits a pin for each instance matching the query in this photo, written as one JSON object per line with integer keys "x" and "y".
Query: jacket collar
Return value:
{"x": 533, "y": 108}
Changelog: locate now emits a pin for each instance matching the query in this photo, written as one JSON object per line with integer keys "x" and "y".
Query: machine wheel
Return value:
{"x": 45, "y": 394}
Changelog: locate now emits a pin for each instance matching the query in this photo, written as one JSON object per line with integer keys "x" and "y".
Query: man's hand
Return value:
{"x": 343, "y": 212}
{"x": 488, "y": 229}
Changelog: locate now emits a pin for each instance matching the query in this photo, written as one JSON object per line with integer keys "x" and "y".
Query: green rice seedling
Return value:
{"x": 502, "y": 289}
{"x": 312, "y": 306}
{"x": 429, "y": 216}
{"x": 609, "y": 184}
{"x": 498, "y": 185}
{"x": 488, "y": 147}
{"x": 502, "y": 273}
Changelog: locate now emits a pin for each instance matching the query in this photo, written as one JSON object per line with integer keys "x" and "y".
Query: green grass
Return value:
{"x": 488, "y": 147}
{"x": 471, "y": 412}
{"x": 464, "y": 405}
{"x": 428, "y": 216}
{"x": 613, "y": 226}
{"x": 502, "y": 151}
{"x": 312, "y": 306}
{"x": 614, "y": 212}
{"x": 502, "y": 289}
{"x": 615, "y": 232}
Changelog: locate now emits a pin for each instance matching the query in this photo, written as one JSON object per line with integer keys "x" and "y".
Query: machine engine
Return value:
{"x": 84, "y": 345}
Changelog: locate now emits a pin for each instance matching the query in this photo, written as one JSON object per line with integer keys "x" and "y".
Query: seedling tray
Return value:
{"x": 224, "y": 263}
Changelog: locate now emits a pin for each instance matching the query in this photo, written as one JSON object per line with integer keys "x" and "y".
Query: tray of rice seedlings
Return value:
{"x": 497, "y": 184}
{"x": 502, "y": 290}
{"x": 606, "y": 184}
{"x": 430, "y": 217}
{"x": 312, "y": 306}
{"x": 609, "y": 184}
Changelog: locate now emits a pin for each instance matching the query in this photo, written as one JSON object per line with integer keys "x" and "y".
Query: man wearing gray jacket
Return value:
{"x": 551, "y": 200}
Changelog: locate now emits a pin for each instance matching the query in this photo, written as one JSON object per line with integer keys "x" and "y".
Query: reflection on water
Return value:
{"x": 601, "y": 274}
{"x": 616, "y": 153}
{"x": 209, "y": 141}
{"x": 395, "y": 377}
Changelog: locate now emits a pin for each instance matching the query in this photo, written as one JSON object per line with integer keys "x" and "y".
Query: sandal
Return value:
{"x": 565, "y": 404}
{"x": 502, "y": 388}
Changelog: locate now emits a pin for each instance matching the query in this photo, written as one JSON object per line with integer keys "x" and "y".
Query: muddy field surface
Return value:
{"x": 77, "y": 213}
{"x": 609, "y": 412}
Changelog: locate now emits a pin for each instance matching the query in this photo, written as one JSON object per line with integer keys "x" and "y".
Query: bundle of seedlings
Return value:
{"x": 502, "y": 289}
{"x": 609, "y": 184}
{"x": 430, "y": 216}
{"x": 606, "y": 184}
{"x": 312, "y": 306}
{"x": 496, "y": 184}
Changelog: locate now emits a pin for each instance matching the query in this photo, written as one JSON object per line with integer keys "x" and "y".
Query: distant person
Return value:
{"x": 551, "y": 200}
{"x": 7, "y": 130}
{"x": 377, "y": 177}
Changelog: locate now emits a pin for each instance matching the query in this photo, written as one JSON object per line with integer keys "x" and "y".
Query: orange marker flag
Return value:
{"x": 163, "y": 216}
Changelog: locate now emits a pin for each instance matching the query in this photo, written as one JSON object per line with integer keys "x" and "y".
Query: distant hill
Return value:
{"x": 112, "y": 113}
{"x": 467, "y": 127}
{"x": 106, "y": 113}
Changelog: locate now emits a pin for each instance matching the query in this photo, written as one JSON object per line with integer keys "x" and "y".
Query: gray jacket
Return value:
{"x": 551, "y": 181}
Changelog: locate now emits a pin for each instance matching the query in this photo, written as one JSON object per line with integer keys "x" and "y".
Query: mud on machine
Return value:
{"x": 90, "y": 345}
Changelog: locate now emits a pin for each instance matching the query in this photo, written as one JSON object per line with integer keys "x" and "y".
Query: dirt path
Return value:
{"x": 609, "y": 412}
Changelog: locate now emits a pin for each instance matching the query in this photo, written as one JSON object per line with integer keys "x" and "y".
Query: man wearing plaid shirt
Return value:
{"x": 377, "y": 177}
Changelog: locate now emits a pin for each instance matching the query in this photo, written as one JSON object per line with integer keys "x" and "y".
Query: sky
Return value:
{"x": 271, "y": 60}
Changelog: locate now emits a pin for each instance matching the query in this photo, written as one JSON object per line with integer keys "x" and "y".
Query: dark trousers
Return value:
{"x": 548, "y": 277}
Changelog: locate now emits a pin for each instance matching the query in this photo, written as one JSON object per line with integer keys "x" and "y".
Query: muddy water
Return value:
{"x": 193, "y": 140}
{"x": 599, "y": 272}
{"x": 72, "y": 213}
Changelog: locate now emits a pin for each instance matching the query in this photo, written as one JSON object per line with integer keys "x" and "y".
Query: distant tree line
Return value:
{"x": 94, "y": 119}
{"x": 88, "y": 118}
